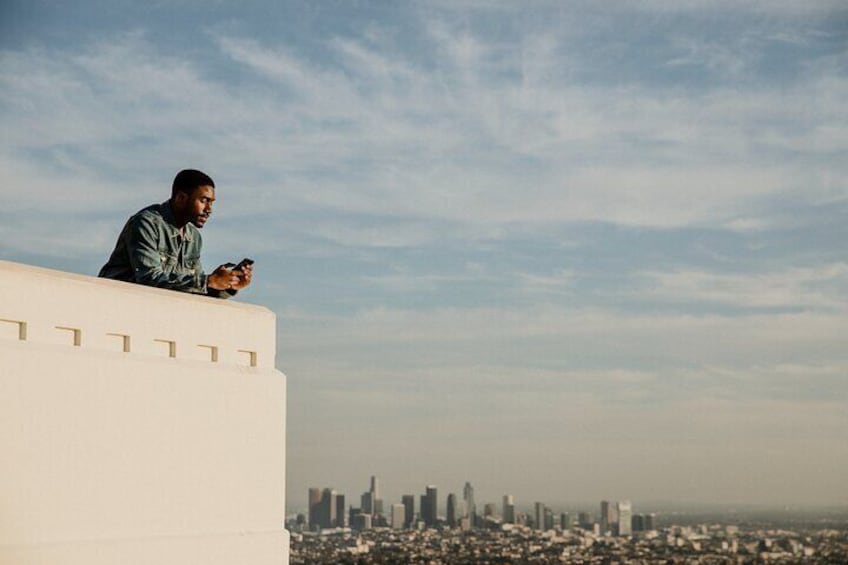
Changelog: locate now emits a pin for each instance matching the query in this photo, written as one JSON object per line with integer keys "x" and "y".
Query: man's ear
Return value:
{"x": 179, "y": 199}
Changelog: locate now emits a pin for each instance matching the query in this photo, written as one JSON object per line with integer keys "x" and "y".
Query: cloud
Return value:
{"x": 678, "y": 175}
{"x": 496, "y": 133}
{"x": 821, "y": 287}
{"x": 779, "y": 8}
{"x": 546, "y": 336}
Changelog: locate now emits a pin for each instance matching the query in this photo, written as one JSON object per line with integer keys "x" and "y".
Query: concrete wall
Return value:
{"x": 137, "y": 425}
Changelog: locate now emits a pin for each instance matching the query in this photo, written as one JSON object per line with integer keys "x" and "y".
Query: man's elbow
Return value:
{"x": 150, "y": 277}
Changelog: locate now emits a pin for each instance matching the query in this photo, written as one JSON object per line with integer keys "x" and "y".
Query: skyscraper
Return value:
{"x": 650, "y": 521}
{"x": 508, "y": 509}
{"x": 314, "y": 507}
{"x": 625, "y": 515}
{"x": 376, "y": 501}
{"x": 327, "y": 516}
{"x": 429, "y": 506}
{"x": 451, "y": 510}
{"x": 374, "y": 487}
{"x": 341, "y": 515}
{"x": 398, "y": 516}
{"x": 539, "y": 518}
{"x": 638, "y": 523}
{"x": 423, "y": 505}
{"x": 549, "y": 519}
{"x": 361, "y": 521}
{"x": 609, "y": 516}
{"x": 409, "y": 509}
{"x": 367, "y": 502}
{"x": 470, "y": 505}
{"x": 565, "y": 521}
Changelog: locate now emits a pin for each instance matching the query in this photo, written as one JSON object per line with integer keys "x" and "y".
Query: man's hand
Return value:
{"x": 243, "y": 277}
{"x": 223, "y": 278}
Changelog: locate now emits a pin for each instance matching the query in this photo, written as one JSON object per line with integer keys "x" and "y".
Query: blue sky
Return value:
{"x": 566, "y": 250}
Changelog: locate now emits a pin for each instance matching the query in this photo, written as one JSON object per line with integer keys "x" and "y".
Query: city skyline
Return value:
{"x": 558, "y": 249}
{"x": 619, "y": 531}
{"x": 327, "y": 510}
{"x": 507, "y": 506}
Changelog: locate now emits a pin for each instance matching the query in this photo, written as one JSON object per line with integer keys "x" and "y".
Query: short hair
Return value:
{"x": 189, "y": 179}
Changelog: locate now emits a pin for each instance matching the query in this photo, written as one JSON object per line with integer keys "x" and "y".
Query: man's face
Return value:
{"x": 196, "y": 206}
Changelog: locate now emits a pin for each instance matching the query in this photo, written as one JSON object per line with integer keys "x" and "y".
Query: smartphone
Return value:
{"x": 241, "y": 264}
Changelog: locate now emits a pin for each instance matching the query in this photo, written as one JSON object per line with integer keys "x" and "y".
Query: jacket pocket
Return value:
{"x": 169, "y": 260}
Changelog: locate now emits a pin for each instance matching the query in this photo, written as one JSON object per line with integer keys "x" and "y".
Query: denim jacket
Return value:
{"x": 152, "y": 251}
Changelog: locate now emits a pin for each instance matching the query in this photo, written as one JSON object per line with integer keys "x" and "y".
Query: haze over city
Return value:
{"x": 562, "y": 250}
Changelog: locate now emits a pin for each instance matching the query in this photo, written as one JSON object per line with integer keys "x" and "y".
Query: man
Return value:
{"x": 160, "y": 245}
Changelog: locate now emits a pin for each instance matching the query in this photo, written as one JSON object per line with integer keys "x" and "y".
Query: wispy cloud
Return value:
{"x": 480, "y": 139}
{"x": 821, "y": 287}
{"x": 556, "y": 337}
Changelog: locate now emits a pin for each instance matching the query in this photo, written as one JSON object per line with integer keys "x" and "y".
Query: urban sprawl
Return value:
{"x": 373, "y": 533}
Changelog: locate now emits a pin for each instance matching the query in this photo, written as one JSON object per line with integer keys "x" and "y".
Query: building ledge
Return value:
{"x": 61, "y": 308}
{"x": 137, "y": 425}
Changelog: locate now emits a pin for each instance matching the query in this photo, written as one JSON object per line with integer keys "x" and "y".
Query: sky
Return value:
{"x": 562, "y": 250}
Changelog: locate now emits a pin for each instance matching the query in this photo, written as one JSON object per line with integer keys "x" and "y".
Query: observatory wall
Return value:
{"x": 137, "y": 425}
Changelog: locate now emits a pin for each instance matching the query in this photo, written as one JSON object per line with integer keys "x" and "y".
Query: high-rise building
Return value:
{"x": 508, "y": 509}
{"x": 490, "y": 510}
{"x": 314, "y": 507}
{"x": 565, "y": 521}
{"x": 470, "y": 505}
{"x": 549, "y": 519}
{"x": 638, "y": 523}
{"x": 398, "y": 516}
{"x": 361, "y": 521}
{"x": 433, "y": 498}
{"x": 584, "y": 520}
{"x": 327, "y": 514}
{"x": 650, "y": 521}
{"x": 367, "y": 502}
{"x": 625, "y": 515}
{"x": 604, "y": 513}
{"x": 380, "y": 520}
{"x": 539, "y": 517}
{"x": 609, "y": 516}
{"x": 451, "y": 510}
{"x": 423, "y": 505}
{"x": 429, "y": 506}
{"x": 409, "y": 510}
{"x": 341, "y": 515}
{"x": 377, "y": 502}
{"x": 370, "y": 500}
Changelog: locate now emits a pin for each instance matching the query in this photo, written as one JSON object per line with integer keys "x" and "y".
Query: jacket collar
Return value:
{"x": 168, "y": 216}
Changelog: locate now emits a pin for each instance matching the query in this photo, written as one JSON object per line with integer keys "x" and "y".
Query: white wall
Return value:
{"x": 137, "y": 457}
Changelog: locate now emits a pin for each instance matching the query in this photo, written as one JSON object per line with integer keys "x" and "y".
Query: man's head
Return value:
{"x": 192, "y": 195}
